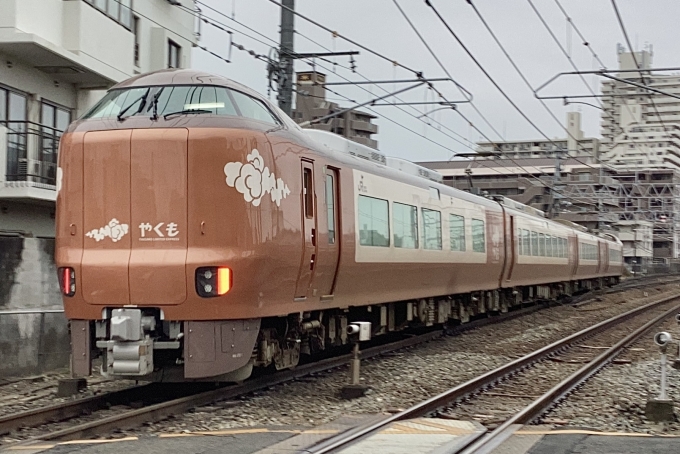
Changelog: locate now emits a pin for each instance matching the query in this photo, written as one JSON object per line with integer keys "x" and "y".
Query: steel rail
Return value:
{"x": 162, "y": 410}
{"x": 489, "y": 378}
{"x": 491, "y": 441}
{"x": 78, "y": 407}
{"x": 70, "y": 409}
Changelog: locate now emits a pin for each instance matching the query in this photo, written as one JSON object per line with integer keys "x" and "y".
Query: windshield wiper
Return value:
{"x": 187, "y": 111}
{"x": 141, "y": 106}
{"x": 154, "y": 103}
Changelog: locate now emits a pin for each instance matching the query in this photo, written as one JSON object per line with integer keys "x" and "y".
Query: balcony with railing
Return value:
{"x": 28, "y": 161}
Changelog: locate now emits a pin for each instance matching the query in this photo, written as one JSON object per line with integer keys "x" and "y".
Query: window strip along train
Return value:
{"x": 201, "y": 233}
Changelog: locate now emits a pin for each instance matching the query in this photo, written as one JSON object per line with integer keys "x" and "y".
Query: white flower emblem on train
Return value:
{"x": 254, "y": 180}
{"x": 114, "y": 230}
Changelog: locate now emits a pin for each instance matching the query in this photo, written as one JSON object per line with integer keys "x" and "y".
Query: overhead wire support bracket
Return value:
{"x": 420, "y": 103}
{"x": 366, "y": 103}
{"x": 604, "y": 73}
{"x": 324, "y": 54}
{"x": 421, "y": 79}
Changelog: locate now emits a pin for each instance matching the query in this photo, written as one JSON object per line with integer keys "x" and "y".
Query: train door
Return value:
{"x": 309, "y": 231}
{"x": 574, "y": 254}
{"x": 328, "y": 238}
{"x": 604, "y": 257}
{"x": 513, "y": 247}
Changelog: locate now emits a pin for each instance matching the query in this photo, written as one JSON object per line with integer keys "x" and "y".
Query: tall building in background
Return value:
{"x": 636, "y": 132}
{"x": 574, "y": 145}
{"x": 311, "y": 103}
{"x": 56, "y": 58}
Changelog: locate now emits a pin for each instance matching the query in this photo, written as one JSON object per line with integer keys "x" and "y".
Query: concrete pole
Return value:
{"x": 286, "y": 55}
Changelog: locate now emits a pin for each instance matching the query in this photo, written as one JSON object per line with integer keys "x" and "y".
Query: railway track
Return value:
{"x": 441, "y": 403}
{"x": 629, "y": 284}
{"x": 168, "y": 404}
{"x": 171, "y": 406}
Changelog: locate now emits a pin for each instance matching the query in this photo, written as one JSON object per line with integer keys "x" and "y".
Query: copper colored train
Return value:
{"x": 201, "y": 233}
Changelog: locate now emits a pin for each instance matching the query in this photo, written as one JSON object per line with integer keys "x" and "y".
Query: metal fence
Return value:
{"x": 32, "y": 151}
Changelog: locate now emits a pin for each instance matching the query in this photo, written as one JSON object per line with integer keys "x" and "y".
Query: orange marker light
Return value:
{"x": 223, "y": 280}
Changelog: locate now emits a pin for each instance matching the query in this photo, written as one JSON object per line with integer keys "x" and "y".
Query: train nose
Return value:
{"x": 135, "y": 216}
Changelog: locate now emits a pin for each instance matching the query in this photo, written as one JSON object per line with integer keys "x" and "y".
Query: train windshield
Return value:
{"x": 159, "y": 101}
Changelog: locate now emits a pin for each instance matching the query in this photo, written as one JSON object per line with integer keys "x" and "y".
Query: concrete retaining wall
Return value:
{"x": 30, "y": 343}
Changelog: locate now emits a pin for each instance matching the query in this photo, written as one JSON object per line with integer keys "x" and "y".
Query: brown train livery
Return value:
{"x": 201, "y": 233}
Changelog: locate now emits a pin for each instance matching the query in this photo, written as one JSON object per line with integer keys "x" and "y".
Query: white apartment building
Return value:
{"x": 574, "y": 145}
{"x": 56, "y": 58}
{"x": 633, "y": 135}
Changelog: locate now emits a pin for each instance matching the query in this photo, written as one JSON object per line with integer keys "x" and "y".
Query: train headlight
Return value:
{"x": 213, "y": 281}
{"x": 67, "y": 281}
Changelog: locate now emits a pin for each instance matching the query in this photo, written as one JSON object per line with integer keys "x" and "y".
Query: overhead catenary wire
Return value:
{"x": 526, "y": 81}
{"x": 441, "y": 65}
{"x": 528, "y": 173}
{"x": 487, "y": 75}
{"x": 457, "y": 110}
{"x": 472, "y": 104}
{"x": 213, "y": 22}
{"x": 637, "y": 65}
{"x": 223, "y": 27}
{"x": 597, "y": 58}
{"x": 339, "y": 35}
{"x": 383, "y": 89}
{"x": 203, "y": 48}
{"x": 492, "y": 80}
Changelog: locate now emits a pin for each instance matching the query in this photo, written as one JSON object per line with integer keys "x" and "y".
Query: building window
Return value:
{"x": 405, "y": 225}
{"x": 173, "y": 54}
{"x": 478, "y": 241}
{"x": 54, "y": 116}
{"x": 432, "y": 229}
{"x": 374, "y": 228}
{"x": 118, "y": 10}
{"x": 135, "y": 30}
{"x": 12, "y": 105}
{"x": 457, "y": 232}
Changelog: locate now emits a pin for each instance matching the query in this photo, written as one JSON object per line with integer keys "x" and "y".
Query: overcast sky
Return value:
{"x": 379, "y": 25}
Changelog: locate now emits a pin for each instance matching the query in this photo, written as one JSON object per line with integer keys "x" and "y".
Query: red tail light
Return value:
{"x": 67, "y": 281}
{"x": 213, "y": 281}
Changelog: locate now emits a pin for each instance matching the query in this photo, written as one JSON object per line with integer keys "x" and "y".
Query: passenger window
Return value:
{"x": 548, "y": 246}
{"x": 457, "y": 232}
{"x": 374, "y": 228}
{"x": 330, "y": 206}
{"x": 541, "y": 244}
{"x": 527, "y": 242}
{"x": 308, "y": 192}
{"x": 534, "y": 243}
{"x": 478, "y": 240}
{"x": 519, "y": 241}
{"x": 405, "y": 225}
{"x": 432, "y": 229}
{"x": 252, "y": 108}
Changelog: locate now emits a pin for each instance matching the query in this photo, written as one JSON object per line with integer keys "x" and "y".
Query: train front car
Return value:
{"x": 176, "y": 222}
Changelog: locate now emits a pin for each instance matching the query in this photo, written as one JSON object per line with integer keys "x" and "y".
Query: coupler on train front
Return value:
{"x": 138, "y": 344}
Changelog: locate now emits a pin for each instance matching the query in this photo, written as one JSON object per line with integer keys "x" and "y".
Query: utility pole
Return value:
{"x": 287, "y": 56}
